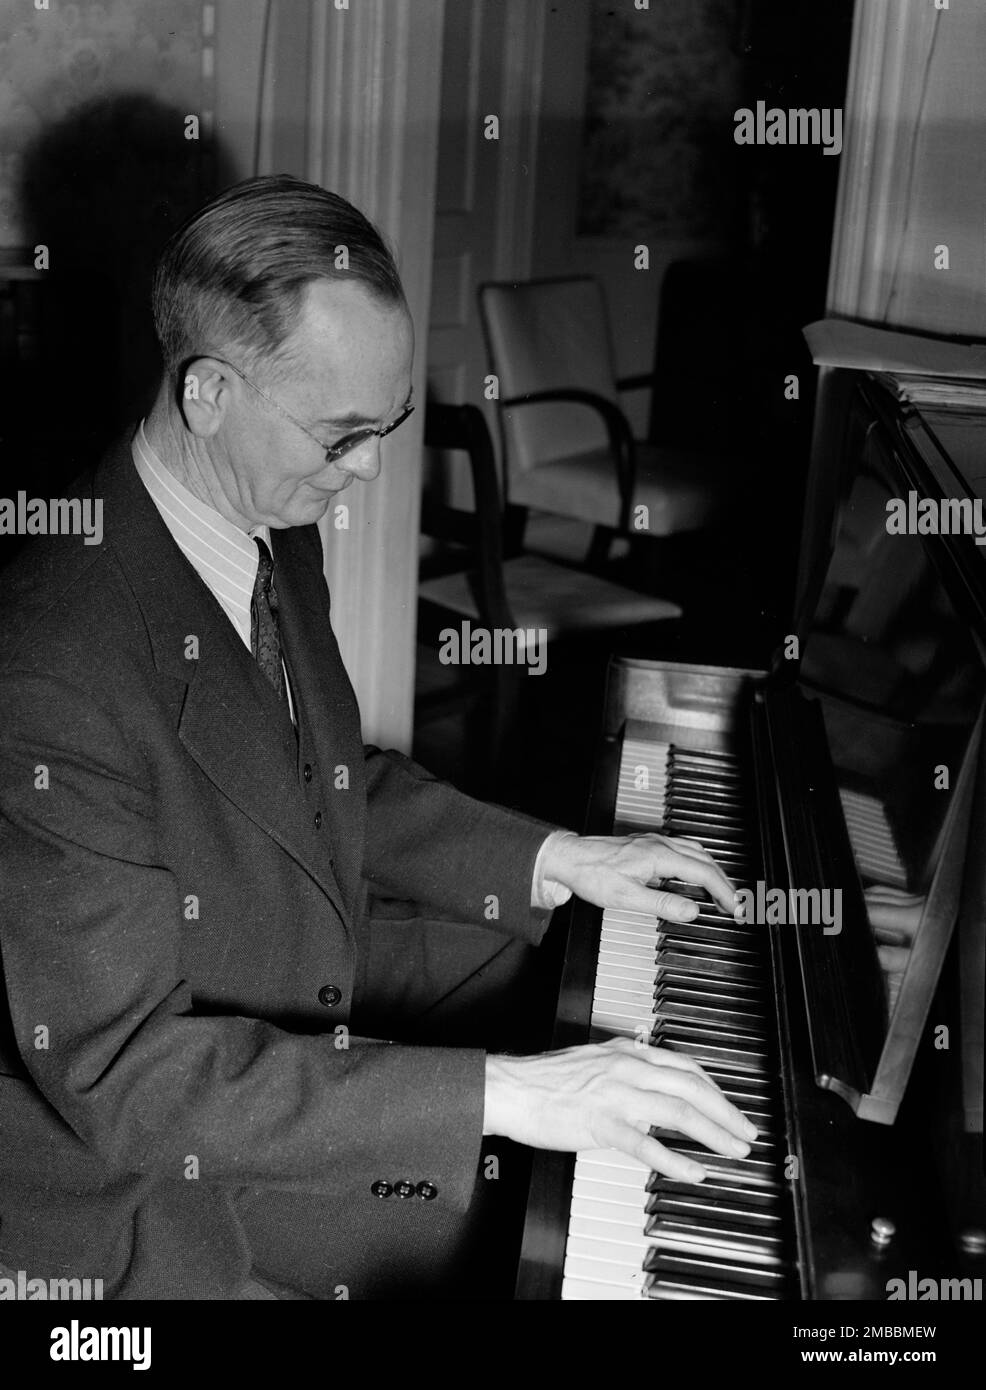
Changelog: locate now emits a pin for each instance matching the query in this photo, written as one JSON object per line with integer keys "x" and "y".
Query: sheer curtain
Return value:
{"x": 349, "y": 98}
{"x": 913, "y": 177}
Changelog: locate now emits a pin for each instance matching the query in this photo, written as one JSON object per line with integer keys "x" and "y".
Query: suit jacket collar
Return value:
{"x": 230, "y": 720}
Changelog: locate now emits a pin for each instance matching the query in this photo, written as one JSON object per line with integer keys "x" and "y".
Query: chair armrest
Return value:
{"x": 463, "y": 427}
{"x": 621, "y": 441}
{"x": 635, "y": 383}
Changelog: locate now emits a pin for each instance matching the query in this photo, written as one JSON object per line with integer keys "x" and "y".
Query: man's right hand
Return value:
{"x": 609, "y": 1096}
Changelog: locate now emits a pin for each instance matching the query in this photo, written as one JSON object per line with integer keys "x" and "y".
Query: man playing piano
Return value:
{"x": 218, "y": 906}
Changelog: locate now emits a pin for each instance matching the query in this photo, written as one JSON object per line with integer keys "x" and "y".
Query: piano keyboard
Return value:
{"x": 704, "y": 989}
{"x": 870, "y": 834}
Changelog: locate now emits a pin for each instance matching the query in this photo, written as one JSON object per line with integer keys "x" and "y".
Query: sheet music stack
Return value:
{"x": 930, "y": 373}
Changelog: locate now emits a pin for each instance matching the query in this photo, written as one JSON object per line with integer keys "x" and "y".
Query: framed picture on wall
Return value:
{"x": 657, "y": 154}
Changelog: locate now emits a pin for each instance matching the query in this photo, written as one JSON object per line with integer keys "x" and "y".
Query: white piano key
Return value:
{"x": 608, "y": 1224}
{"x": 622, "y": 953}
{"x": 632, "y": 931}
{"x": 615, "y": 1194}
{"x": 633, "y": 1014}
{"x": 623, "y": 976}
{"x": 588, "y": 1290}
{"x": 625, "y": 1024}
{"x": 620, "y": 938}
{"x": 613, "y": 1213}
{"x": 628, "y": 1254}
{"x": 633, "y": 978}
{"x": 619, "y": 992}
{"x": 610, "y": 1158}
{"x": 611, "y": 1184}
{"x": 624, "y": 917}
{"x": 605, "y": 1032}
{"x": 626, "y": 979}
{"x": 621, "y": 949}
{"x": 602, "y": 1272}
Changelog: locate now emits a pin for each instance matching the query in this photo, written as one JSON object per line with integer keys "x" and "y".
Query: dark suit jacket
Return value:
{"x": 180, "y": 880}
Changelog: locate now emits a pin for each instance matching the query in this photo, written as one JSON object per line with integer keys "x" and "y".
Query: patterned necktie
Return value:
{"x": 265, "y": 639}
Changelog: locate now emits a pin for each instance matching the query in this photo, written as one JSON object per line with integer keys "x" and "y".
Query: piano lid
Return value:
{"x": 899, "y": 683}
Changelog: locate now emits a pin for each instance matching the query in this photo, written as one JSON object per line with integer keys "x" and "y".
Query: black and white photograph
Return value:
{"x": 493, "y": 669}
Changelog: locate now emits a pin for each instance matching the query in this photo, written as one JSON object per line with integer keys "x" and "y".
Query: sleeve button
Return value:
{"x": 404, "y": 1188}
{"x": 329, "y": 995}
{"x": 381, "y": 1188}
{"x": 427, "y": 1191}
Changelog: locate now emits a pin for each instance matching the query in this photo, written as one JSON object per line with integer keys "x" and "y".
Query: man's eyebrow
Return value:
{"x": 355, "y": 421}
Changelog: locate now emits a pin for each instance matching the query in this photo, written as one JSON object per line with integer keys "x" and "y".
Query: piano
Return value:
{"x": 844, "y": 792}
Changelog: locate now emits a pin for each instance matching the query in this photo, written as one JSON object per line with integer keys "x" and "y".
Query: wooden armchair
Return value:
{"x": 537, "y": 600}
{"x": 567, "y": 447}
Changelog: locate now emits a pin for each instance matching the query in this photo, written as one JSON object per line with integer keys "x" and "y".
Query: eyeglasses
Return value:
{"x": 331, "y": 451}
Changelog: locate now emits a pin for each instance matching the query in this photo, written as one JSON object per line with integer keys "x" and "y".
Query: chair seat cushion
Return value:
{"x": 681, "y": 491}
{"x": 554, "y": 598}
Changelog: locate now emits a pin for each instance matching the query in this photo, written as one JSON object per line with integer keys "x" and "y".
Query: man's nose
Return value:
{"x": 362, "y": 462}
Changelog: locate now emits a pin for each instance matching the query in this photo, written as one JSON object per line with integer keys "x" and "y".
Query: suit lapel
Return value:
{"x": 325, "y": 702}
{"x": 230, "y": 720}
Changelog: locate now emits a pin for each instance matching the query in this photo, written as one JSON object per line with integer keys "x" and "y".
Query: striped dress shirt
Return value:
{"x": 224, "y": 557}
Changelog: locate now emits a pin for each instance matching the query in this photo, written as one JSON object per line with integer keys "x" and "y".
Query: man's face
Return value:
{"x": 349, "y": 367}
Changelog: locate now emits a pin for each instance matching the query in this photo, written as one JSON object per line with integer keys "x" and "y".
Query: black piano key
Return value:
{"x": 762, "y": 1150}
{"x": 702, "y": 1236}
{"x": 694, "y": 807}
{"x": 711, "y": 993}
{"x": 724, "y": 1275}
{"x": 743, "y": 994}
{"x": 700, "y": 767}
{"x": 717, "y": 1031}
{"x": 734, "y": 1212}
{"x": 680, "y": 1030}
{"x": 694, "y": 1290}
{"x": 708, "y": 965}
{"x": 709, "y": 828}
{"x": 709, "y": 948}
{"x": 722, "y": 756}
{"x": 746, "y": 1092}
{"x": 765, "y": 1120}
{"x": 681, "y": 984}
{"x": 707, "y": 1056}
{"x": 744, "y": 1172}
{"x": 693, "y": 782}
{"x": 693, "y": 891}
{"x": 708, "y": 1053}
{"x": 725, "y": 920}
{"x": 727, "y": 795}
{"x": 731, "y": 1019}
{"x": 711, "y": 915}
{"x": 718, "y": 936}
{"x": 718, "y": 1187}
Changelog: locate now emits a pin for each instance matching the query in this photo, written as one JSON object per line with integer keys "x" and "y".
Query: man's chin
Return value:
{"x": 307, "y": 512}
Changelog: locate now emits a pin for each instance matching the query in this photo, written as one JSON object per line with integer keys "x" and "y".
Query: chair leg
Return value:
{"x": 598, "y": 554}
{"x": 503, "y": 729}
{"x": 514, "y": 525}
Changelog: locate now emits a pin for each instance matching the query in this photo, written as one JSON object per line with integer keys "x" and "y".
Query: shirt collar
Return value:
{"x": 198, "y": 522}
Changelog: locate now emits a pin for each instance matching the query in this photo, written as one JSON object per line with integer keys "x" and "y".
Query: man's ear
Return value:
{"x": 204, "y": 395}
